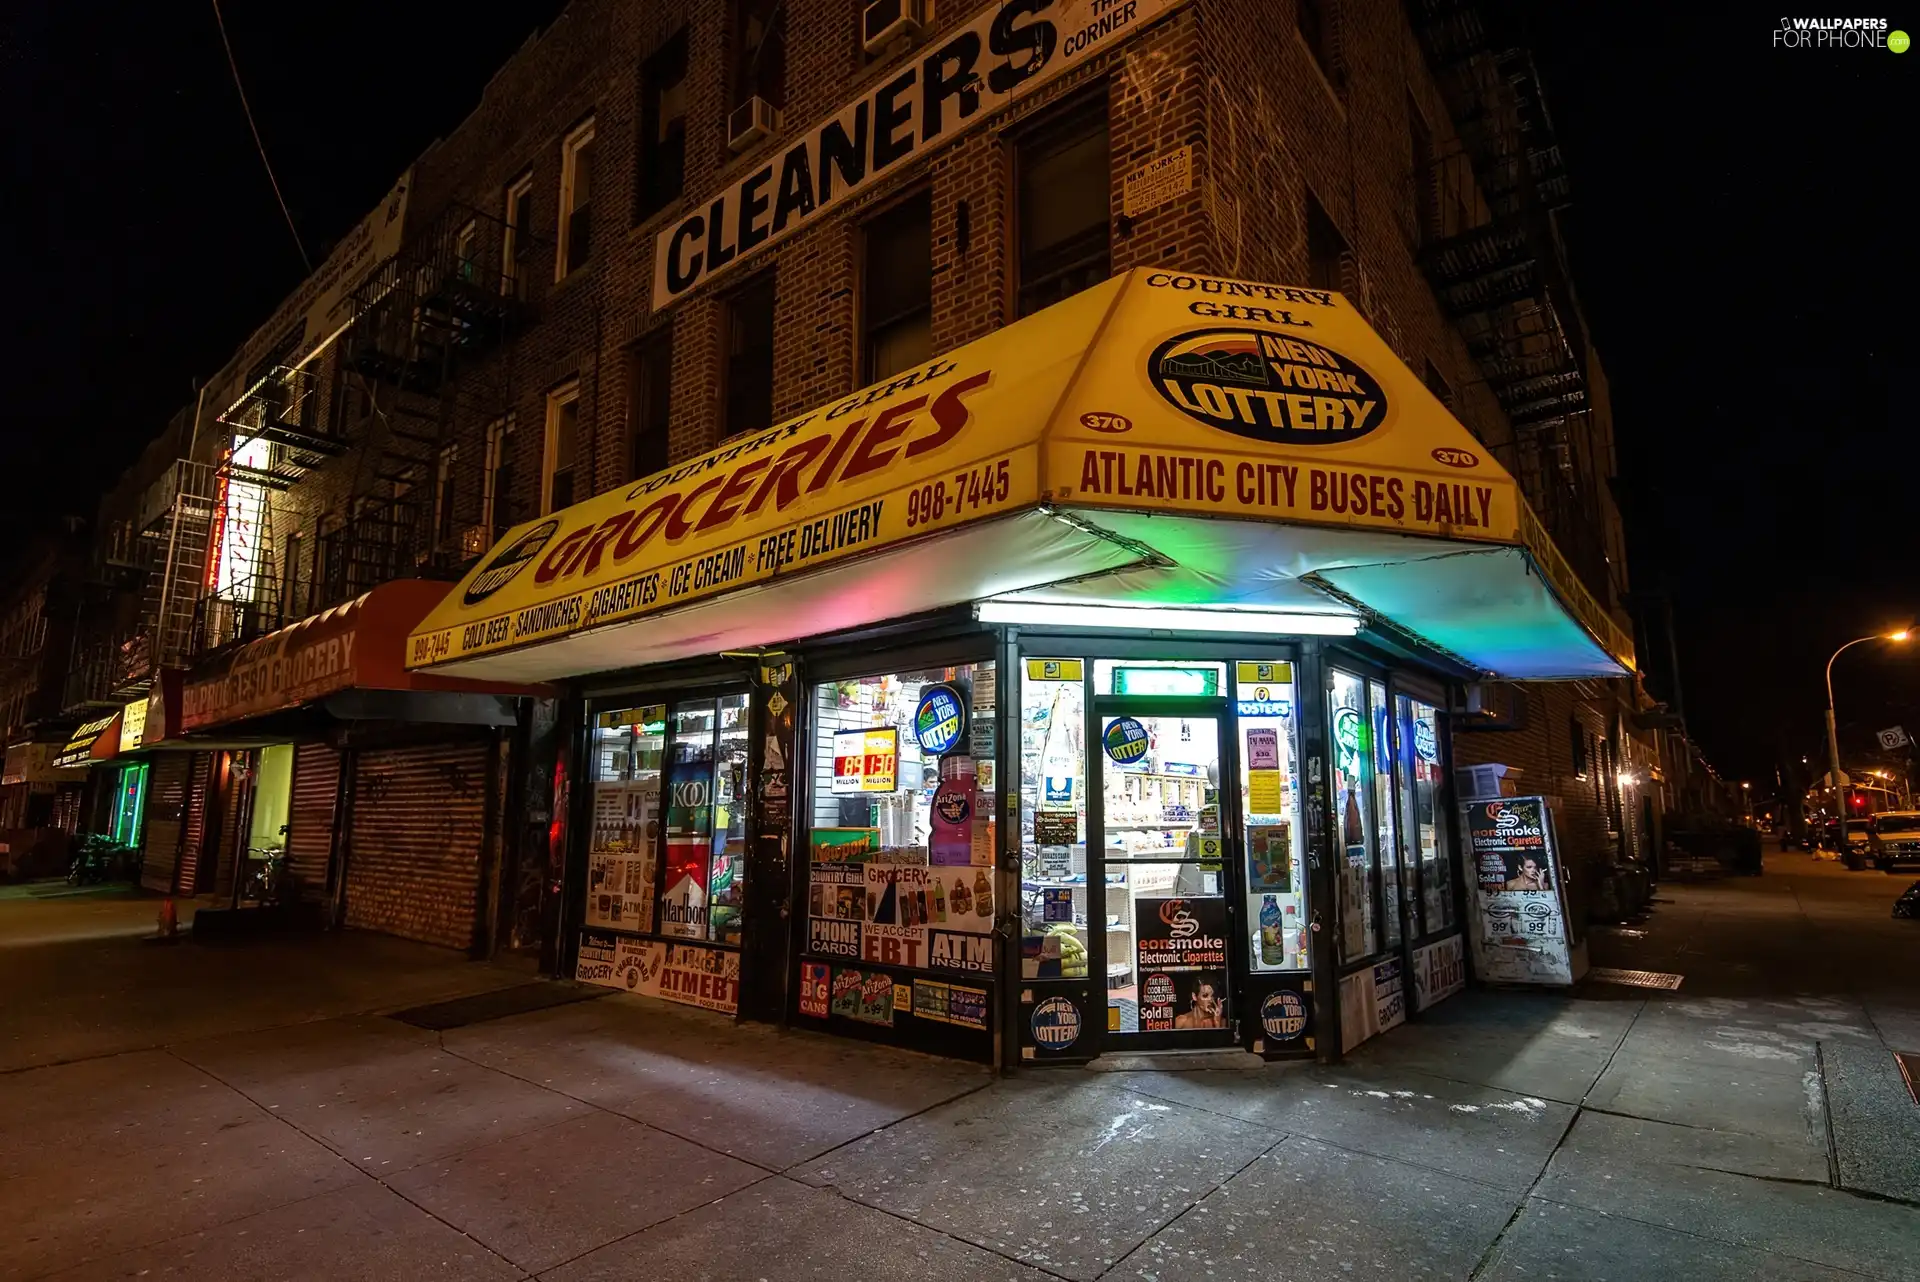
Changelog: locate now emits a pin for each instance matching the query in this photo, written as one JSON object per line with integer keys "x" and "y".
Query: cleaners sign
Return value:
{"x": 1006, "y": 52}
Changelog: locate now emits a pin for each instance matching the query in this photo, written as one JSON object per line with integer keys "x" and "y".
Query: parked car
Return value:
{"x": 1895, "y": 839}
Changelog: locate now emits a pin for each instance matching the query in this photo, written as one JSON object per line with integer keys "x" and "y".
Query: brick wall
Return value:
{"x": 1589, "y": 800}
{"x": 1234, "y": 79}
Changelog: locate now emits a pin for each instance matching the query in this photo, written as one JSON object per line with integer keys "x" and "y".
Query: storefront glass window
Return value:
{"x": 1053, "y": 820}
{"x": 1424, "y": 837}
{"x": 1196, "y": 679}
{"x": 901, "y": 845}
{"x": 1270, "y": 806}
{"x": 1381, "y": 734}
{"x": 705, "y": 820}
{"x": 1352, "y": 767}
{"x": 628, "y": 748}
{"x": 272, "y": 798}
{"x": 132, "y": 806}
{"x": 695, "y": 753}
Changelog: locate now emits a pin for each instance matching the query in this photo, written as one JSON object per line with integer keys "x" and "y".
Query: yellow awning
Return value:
{"x": 1155, "y": 393}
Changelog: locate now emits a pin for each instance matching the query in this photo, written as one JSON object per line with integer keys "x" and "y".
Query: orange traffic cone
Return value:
{"x": 169, "y": 919}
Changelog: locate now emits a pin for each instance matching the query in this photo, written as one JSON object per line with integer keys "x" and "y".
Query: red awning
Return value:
{"x": 356, "y": 645}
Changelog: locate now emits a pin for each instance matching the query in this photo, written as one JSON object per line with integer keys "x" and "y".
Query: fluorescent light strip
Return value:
{"x": 1162, "y": 618}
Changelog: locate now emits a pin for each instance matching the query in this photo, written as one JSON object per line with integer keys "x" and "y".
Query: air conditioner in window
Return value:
{"x": 751, "y": 121}
{"x": 884, "y": 21}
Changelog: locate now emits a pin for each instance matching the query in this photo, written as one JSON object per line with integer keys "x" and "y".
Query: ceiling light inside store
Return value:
{"x": 1164, "y": 619}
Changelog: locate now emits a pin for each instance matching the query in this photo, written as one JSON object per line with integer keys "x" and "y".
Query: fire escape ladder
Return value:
{"x": 430, "y": 346}
{"x": 1494, "y": 261}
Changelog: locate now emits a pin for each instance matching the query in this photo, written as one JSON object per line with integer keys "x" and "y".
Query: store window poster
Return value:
{"x": 816, "y": 979}
{"x": 1181, "y": 954}
{"x": 1263, "y": 748}
{"x": 1270, "y": 857}
{"x": 953, "y": 819}
{"x": 620, "y": 861}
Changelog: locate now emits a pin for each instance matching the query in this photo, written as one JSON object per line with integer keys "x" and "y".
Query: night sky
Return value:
{"x": 1740, "y": 238}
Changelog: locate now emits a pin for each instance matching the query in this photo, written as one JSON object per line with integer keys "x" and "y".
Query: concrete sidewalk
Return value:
{"x": 1616, "y": 1133}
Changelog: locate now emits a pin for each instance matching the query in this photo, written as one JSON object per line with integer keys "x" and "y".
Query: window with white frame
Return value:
{"x": 576, "y": 201}
{"x": 496, "y": 514}
{"x": 446, "y": 470}
{"x": 465, "y": 245}
{"x": 513, "y": 241}
{"x": 557, "y": 489}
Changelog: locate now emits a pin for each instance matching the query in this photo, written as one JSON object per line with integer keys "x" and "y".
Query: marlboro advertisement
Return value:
{"x": 1181, "y": 952}
{"x": 1519, "y": 917}
{"x": 689, "y": 848}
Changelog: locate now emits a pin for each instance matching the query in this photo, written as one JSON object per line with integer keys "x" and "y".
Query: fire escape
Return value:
{"x": 147, "y": 588}
{"x": 277, "y": 438}
{"x": 428, "y": 352}
{"x": 1493, "y": 256}
{"x": 376, "y": 411}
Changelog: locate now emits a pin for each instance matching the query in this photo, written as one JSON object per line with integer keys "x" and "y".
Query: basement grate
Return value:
{"x": 1910, "y": 1069}
{"x": 1635, "y": 978}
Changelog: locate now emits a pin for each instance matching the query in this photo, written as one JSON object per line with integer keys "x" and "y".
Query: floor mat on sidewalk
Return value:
{"x": 1635, "y": 978}
{"x": 500, "y": 1003}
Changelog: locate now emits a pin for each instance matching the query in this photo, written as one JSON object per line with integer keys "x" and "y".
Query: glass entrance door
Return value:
{"x": 1163, "y": 866}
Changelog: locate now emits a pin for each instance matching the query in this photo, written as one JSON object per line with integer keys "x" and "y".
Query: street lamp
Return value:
{"x": 1746, "y": 799}
{"x": 1833, "y": 738}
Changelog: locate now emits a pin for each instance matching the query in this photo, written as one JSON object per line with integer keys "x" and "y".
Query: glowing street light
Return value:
{"x": 1833, "y": 738}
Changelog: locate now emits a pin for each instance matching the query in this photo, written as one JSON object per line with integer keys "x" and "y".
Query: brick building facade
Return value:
{"x": 1324, "y": 151}
{"x": 510, "y": 357}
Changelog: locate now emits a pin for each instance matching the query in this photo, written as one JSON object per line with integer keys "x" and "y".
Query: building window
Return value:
{"x": 759, "y": 51}
{"x": 464, "y": 246}
{"x": 1426, "y": 213}
{"x": 444, "y": 473}
{"x": 514, "y": 240}
{"x": 1326, "y": 248}
{"x": 663, "y": 127}
{"x": 1577, "y": 737}
{"x": 896, "y": 313}
{"x": 563, "y": 449}
{"x": 1315, "y": 20}
{"x": 496, "y": 502}
{"x": 1437, "y": 384}
{"x": 649, "y": 405}
{"x": 576, "y": 200}
{"x": 292, "y": 606}
{"x": 748, "y": 376}
{"x": 1061, "y": 175}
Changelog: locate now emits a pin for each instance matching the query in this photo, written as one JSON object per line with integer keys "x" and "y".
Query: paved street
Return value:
{"x": 246, "y": 1111}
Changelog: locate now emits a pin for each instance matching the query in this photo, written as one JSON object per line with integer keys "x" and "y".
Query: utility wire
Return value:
{"x": 258, "y": 145}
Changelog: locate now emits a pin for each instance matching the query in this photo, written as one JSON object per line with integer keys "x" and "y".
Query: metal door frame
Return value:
{"x": 1218, "y": 710}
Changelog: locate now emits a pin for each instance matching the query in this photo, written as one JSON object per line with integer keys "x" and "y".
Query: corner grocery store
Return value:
{"x": 1081, "y": 690}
